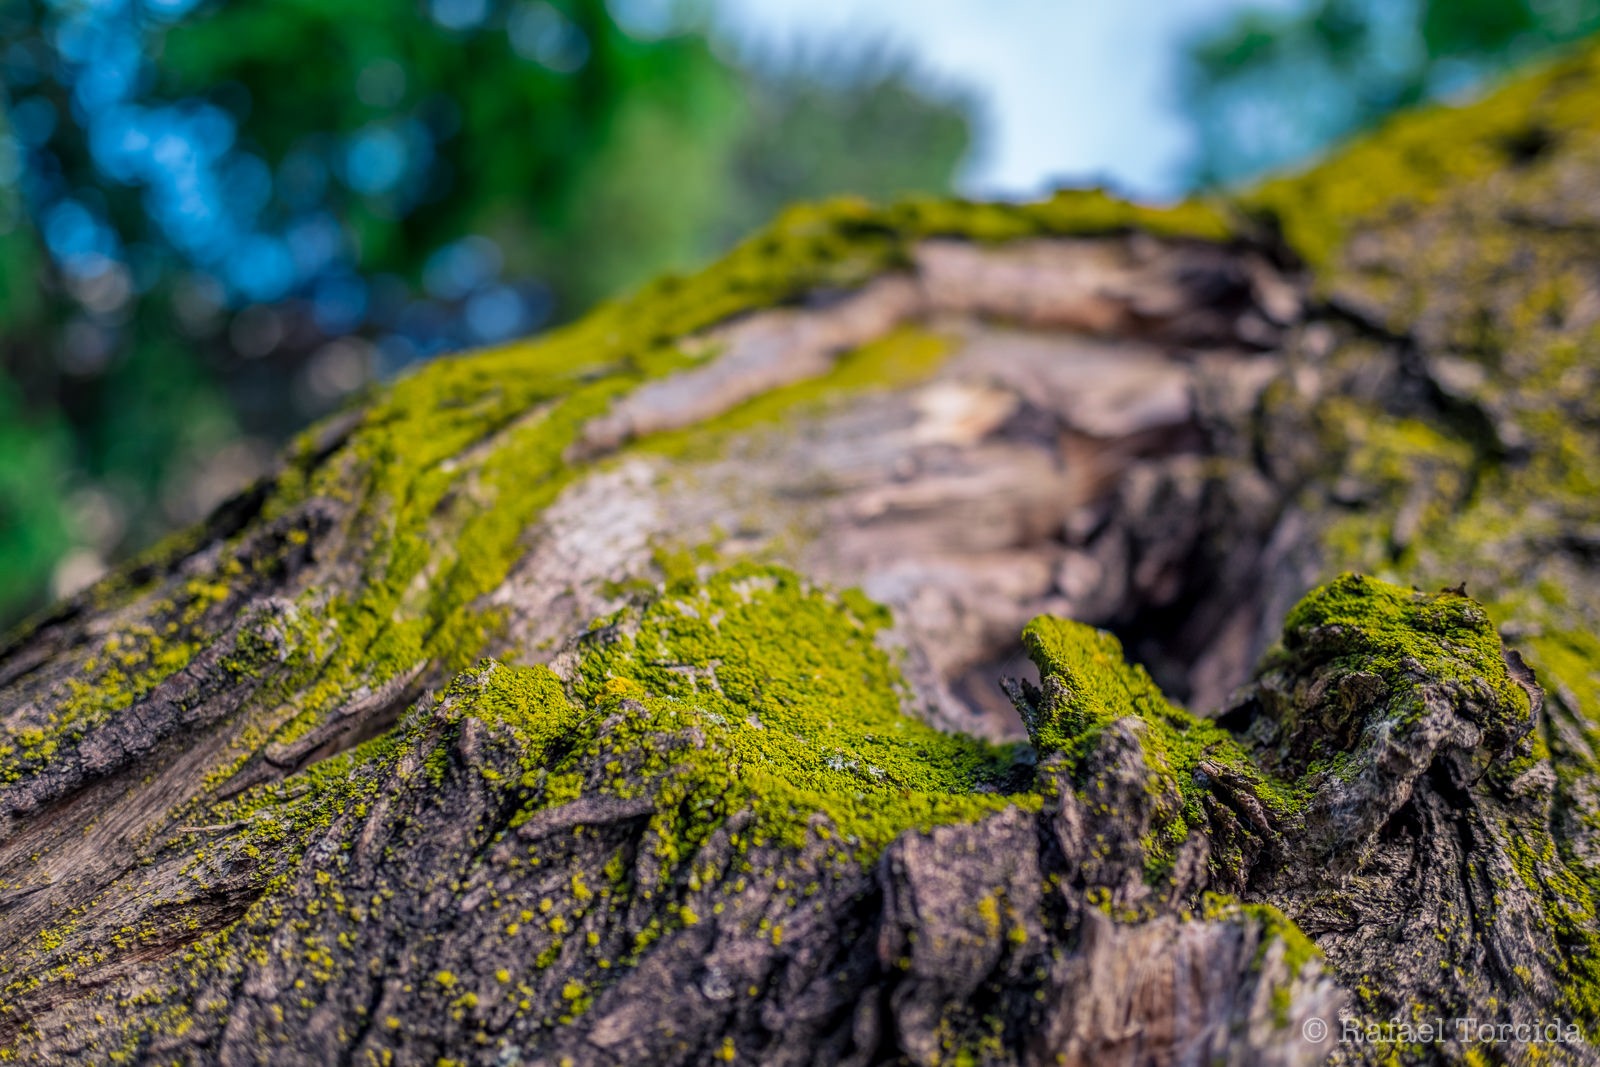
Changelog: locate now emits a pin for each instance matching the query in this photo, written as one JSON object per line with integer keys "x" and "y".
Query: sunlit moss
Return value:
{"x": 1089, "y": 685}
{"x": 788, "y": 685}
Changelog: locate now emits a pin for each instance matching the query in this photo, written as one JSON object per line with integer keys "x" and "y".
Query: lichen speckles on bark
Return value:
{"x": 721, "y": 785}
{"x": 629, "y": 695}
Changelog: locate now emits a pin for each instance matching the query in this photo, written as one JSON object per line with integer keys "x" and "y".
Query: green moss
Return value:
{"x": 1417, "y": 475}
{"x": 747, "y": 690}
{"x": 1493, "y": 522}
{"x": 1068, "y": 212}
{"x": 1417, "y": 158}
{"x": 448, "y": 467}
{"x": 745, "y": 693}
{"x": 274, "y": 823}
{"x": 1440, "y": 195}
{"x": 1298, "y": 949}
{"x": 451, "y": 465}
{"x": 797, "y": 708}
{"x": 1363, "y": 624}
{"x": 1088, "y": 686}
{"x": 126, "y": 667}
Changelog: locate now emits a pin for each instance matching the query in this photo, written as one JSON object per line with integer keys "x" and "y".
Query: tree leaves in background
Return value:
{"x": 220, "y": 221}
{"x": 1267, "y": 89}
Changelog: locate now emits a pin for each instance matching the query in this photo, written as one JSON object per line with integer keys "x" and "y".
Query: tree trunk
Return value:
{"x": 639, "y": 694}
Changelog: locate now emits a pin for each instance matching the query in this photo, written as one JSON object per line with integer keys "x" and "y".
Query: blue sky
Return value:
{"x": 1073, "y": 91}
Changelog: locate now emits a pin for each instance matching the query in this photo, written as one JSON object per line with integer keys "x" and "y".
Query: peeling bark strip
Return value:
{"x": 634, "y": 695}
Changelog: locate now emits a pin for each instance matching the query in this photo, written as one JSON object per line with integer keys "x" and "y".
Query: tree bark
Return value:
{"x": 665, "y": 690}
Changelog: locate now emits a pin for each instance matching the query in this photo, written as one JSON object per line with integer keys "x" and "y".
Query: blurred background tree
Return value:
{"x": 1268, "y": 88}
{"x": 219, "y": 221}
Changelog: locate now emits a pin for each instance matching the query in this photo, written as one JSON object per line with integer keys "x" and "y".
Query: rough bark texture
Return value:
{"x": 654, "y": 693}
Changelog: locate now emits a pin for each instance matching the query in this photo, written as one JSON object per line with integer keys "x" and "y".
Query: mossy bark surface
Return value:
{"x": 747, "y": 673}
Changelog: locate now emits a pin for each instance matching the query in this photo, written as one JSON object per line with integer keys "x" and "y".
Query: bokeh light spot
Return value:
{"x": 459, "y": 14}
{"x": 375, "y": 160}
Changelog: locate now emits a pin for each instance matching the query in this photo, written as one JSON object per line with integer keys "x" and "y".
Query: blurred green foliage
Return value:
{"x": 1269, "y": 88}
{"x": 220, "y": 221}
